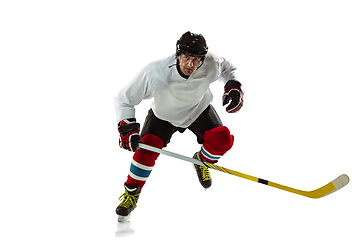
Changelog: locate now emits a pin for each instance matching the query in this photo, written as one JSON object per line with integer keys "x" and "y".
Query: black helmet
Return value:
{"x": 192, "y": 44}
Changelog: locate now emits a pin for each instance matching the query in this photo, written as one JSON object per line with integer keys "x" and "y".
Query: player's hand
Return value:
{"x": 129, "y": 134}
{"x": 234, "y": 93}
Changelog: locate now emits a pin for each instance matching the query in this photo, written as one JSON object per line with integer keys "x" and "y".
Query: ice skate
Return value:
{"x": 129, "y": 200}
{"x": 202, "y": 173}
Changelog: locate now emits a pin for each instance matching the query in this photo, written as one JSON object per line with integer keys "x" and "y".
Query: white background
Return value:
{"x": 62, "y": 62}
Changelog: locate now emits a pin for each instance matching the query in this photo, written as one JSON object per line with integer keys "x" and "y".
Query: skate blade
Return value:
{"x": 123, "y": 218}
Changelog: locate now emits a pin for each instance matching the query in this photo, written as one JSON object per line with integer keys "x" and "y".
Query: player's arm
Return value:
{"x": 125, "y": 102}
{"x": 232, "y": 90}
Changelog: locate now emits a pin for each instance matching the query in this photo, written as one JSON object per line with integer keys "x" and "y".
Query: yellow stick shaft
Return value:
{"x": 331, "y": 187}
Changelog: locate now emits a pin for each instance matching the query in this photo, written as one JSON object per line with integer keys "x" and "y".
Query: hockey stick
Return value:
{"x": 329, "y": 188}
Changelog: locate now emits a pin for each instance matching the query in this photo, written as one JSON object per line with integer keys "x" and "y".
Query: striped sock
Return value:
{"x": 207, "y": 156}
{"x": 138, "y": 174}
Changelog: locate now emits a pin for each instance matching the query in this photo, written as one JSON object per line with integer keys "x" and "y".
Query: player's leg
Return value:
{"x": 156, "y": 133}
{"x": 215, "y": 138}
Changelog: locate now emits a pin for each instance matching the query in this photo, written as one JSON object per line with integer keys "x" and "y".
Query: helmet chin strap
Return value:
{"x": 202, "y": 62}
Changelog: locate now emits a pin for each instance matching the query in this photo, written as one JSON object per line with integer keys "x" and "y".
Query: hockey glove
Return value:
{"x": 234, "y": 93}
{"x": 129, "y": 134}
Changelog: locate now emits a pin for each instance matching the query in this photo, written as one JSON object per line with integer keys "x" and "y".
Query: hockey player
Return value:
{"x": 179, "y": 85}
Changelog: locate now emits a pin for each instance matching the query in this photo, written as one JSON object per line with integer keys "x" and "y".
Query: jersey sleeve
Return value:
{"x": 138, "y": 89}
{"x": 227, "y": 70}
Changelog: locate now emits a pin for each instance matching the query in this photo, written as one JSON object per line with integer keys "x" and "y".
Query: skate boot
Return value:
{"x": 129, "y": 200}
{"x": 203, "y": 173}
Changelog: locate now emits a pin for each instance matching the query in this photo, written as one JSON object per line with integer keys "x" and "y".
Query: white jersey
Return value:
{"x": 176, "y": 100}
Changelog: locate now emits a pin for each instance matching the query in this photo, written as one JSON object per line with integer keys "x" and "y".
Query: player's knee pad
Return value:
{"x": 147, "y": 157}
{"x": 217, "y": 142}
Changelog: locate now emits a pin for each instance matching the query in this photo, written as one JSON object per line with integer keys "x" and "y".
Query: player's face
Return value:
{"x": 188, "y": 64}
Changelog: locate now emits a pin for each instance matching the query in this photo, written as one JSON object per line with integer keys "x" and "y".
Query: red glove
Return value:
{"x": 234, "y": 93}
{"x": 129, "y": 134}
